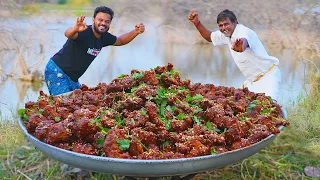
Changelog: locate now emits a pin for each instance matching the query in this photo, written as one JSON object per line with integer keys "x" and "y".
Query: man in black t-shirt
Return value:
{"x": 83, "y": 45}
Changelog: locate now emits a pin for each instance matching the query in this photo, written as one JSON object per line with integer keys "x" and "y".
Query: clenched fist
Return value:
{"x": 139, "y": 28}
{"x": 193, "y": 17}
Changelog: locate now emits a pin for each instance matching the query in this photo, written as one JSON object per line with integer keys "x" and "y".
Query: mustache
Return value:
{"x": 103, "y": 25}
{"x": 97, "y": 29}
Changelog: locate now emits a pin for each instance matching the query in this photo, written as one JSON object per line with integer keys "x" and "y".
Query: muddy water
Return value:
{"x": 200, "y": 62}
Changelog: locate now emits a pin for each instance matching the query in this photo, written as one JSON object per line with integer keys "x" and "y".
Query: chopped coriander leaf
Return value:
{"x": 161, "y": 92}
{"x": 100, "y": 142}
{"x": 197, "y": 97}
{"x": 197, "y": 110}
{"x": 267, "y": 110}
{"x": 169, "y": 108}
{"x": 213, "y": 151}
{"x": 250, "y": 107}
{"x": 256, "y": 102}
{"x": 188, "y": 98}
{"x": 102, "y": 113}
{"x": 143, "y": 112}
{"x": 180, "y": 116}
{"x": 217, "y": 130}
{"x": 40, "y": 111}
{"x": 104, "y": 130}
{"x": 132, "y": 121}
{"x": 209, "y": 126}
{"x": 167, "y": 123}
{"x": 162, "y": 107}
{"x": 57, "y": 119}
{"x": 137, "y": 75}
{"x": 123, "y": 144}
{"x": 111, "y": 110}
{"x": 119, "y": 120}
{"x": 22, "y": 114}
{"x": 121, "y": 76}
{"x": 166, "y": 143}
{"x": 134, "y": 89}
{"x": 244, "y": 118}
{"x": 50, "y": 100}
{"x": 196, "y": 120}
{"x": 96, "y": 120}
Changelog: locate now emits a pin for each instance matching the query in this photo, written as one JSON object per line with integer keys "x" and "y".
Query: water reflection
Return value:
{"x": 14, "y": 93}
{"x": 199, "y": 62}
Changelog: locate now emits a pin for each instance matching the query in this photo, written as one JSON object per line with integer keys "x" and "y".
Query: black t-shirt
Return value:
{"x": 76, "y": 55}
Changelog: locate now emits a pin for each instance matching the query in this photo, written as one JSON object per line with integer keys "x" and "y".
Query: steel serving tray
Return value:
{"x": 149, "y": 168}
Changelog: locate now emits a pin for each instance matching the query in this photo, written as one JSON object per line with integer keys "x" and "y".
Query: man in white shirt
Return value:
{"x": 261, "y": 70}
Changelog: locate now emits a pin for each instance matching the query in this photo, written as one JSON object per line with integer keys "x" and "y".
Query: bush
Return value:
{"x": 62, "y": 1}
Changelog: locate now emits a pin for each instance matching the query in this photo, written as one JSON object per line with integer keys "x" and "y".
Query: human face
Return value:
{"x": 227, "y": 27}
{"x": 101, "y": 23}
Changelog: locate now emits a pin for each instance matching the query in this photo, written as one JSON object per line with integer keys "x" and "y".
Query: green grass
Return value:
{"x": 36, "y": 8}
{"x": 10, "y": 135}
{"x": 75, "y": 7}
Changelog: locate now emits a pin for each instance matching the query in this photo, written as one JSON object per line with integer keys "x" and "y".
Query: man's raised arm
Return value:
{"x": 128, "y": 37}
{"x": 72, "y": 33}
{"x": 194, "y": 18}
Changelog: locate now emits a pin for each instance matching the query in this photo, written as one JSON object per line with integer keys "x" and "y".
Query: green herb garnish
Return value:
{"x": 123, "y": 144}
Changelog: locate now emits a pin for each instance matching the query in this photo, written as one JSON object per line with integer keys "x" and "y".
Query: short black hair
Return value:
{"x": 226, "y": 14}
{"x": 103, "y": 9}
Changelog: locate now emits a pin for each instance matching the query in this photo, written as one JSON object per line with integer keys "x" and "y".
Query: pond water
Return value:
{"x": 201, "y": 62}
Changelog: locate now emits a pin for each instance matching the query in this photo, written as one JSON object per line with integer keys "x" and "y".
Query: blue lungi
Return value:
{"x": 57, "y": 81}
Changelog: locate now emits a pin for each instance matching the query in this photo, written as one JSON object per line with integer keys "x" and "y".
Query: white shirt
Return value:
{"x": 254, "y": 60}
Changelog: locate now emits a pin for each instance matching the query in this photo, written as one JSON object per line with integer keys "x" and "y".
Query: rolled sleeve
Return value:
{"x": 218, "y": 38}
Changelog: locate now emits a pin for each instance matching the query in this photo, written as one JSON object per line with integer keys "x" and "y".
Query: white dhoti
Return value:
{"x": 269, "y": 84}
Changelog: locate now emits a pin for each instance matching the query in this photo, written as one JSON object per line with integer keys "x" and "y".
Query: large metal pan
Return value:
{"x": 149, "y": 168}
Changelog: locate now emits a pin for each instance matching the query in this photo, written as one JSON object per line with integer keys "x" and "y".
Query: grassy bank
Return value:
{"x": 296, "y": 147}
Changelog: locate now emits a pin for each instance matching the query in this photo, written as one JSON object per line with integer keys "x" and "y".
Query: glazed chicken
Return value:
{"x": 153, "y": 115}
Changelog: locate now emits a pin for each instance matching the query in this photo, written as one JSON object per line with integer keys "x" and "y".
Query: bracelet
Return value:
{"x": 197, "y": 24}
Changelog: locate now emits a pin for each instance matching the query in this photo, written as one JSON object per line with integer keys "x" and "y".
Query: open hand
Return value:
{"x": 193, "y": 17}
{"x": 139, "y": 28}
{"x": 80, "y": 24}
{"x": 240, "y": 45}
